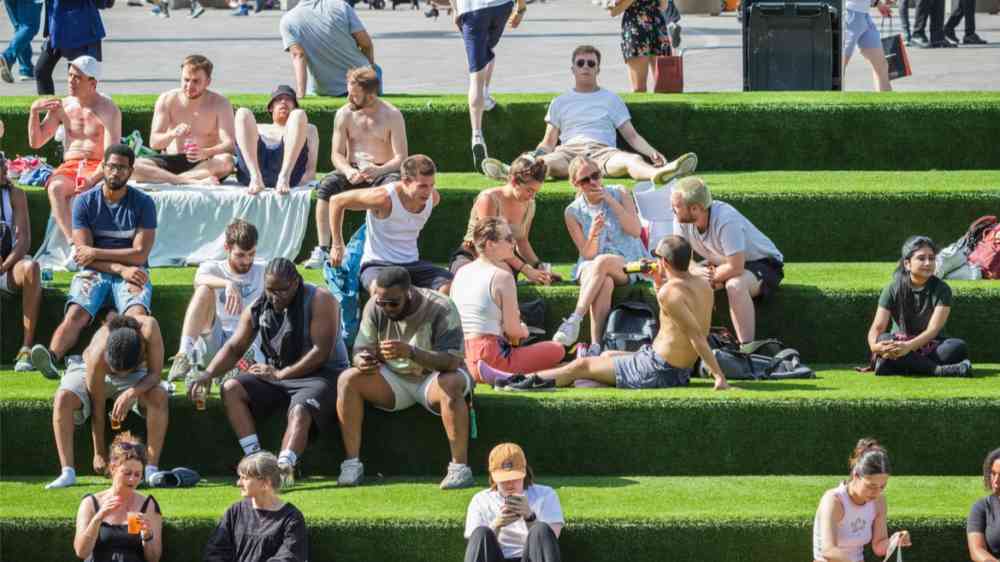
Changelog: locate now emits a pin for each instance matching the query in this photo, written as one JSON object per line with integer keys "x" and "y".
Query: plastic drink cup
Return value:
{"x": 545, "y": 267}
{"x": 46, "y": 277}
{"x": 81, "y": 179}
{"x": 116, "y": 423}
{"x": 134, "y": 526}
{"x": 199, "y": 397}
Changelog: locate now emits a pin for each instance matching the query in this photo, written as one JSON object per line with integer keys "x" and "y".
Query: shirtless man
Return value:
{"x": 685, "y": 315}
{"x": 369, "y": 144}
{"x": 194, "y": 127}
{"x": 280, "y": 155}
{"x": 91, "y": 121}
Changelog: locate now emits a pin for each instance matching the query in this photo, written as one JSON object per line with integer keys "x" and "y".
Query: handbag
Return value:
{"x": 895, "y": 53}
{"x": 668, "y": 73}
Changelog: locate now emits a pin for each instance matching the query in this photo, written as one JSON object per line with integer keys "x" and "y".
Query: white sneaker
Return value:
{"x": 352, "y": 473}
{"x": 22, "y": 363}
{"x": 684, "y": 165}
{"x": 567, "y": 333}
{"x": 495, "y": 169}
{"x": 489, "y": 103}
{"x": 182, "y": 365}
{"x": 287, "y": 472}
{"x": 317, "y": 258}
{"x": 459, "y": 476}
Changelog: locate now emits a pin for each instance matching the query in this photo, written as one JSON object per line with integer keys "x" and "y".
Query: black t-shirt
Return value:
{"x": 985, "y": 518}
{"x": 911, "y": 315}
{"x": 246, "y": 534}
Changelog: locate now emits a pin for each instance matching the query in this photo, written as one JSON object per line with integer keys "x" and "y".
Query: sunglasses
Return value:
{"x": 388, "y": 303}
{"x": 592, "y": 178}
{"x": 586, "y": 62}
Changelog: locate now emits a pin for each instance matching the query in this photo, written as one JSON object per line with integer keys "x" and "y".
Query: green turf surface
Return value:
{"x": 614, "y": 518}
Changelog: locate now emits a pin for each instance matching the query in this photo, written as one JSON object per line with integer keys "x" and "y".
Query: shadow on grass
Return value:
{"x": 773, "y": 386}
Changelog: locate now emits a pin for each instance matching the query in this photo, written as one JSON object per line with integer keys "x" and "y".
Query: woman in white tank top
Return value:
{"x": 485, "y": 294}
{"x": 854, "y": 513}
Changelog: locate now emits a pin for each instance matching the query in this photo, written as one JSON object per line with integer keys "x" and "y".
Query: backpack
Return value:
{"x": 955, "y": 257}
{"x": 786, "y": 364}
{"x": 344, "y": 282}
{"x": 533, "y": 316}
{"x": 631, "y": 325}
{"x": 986, "y": 254}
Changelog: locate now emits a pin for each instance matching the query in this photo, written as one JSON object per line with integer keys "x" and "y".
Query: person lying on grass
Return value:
{"x": 854, "y": 513}
{"x": 685, "y": 302}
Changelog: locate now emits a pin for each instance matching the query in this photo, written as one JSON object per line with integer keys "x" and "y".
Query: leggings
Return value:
{"x": 948, "y": 352}
{"x": 541, "y": 546}
{"x": 527, "y": 359}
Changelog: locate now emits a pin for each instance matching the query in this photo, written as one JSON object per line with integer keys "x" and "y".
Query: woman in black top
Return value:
{"x": 260, "y": 527}
{"x": 918, "y": 303}
{"x": 983, "y": 529}
{"x": 102, "y": 520}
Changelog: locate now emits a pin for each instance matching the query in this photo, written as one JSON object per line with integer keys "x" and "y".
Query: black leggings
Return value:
{"x": 541, "y": 546}
{"x": 948, "y": 352}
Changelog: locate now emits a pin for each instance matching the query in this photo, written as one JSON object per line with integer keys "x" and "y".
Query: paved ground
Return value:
{"x": 420, "y": 55}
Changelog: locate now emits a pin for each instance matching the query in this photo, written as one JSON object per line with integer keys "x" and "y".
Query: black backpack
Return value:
{"x": 6, "y": 232}
{"x": 631, "y": 325}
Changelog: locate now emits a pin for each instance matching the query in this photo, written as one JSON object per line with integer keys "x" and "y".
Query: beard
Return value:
{"x": 115, "y": 185}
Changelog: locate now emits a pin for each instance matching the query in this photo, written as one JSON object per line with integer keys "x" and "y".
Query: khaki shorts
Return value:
{"x": 75, "y": 381}
{"x": 409, "y": 391}
{"x": 599, "y": 153}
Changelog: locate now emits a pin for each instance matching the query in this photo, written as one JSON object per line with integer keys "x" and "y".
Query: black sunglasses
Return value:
{"x": 588, "y": 62}
{"x": 592, "y": 178}
{"x": 388, "y": 303}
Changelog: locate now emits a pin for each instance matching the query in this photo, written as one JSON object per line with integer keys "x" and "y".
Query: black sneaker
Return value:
{"x": 963, "y": 369}
{"x": 533, "y": 382}
{"x": 478, "y": 154}
{"x": 973, "y": 39}
{"x": 920, "y": 40}
{"x": 949, "y": 34}
{"x": 504, "y": 384}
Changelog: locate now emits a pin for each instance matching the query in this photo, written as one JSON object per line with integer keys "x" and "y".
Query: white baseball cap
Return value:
{"x": 87, "y": 65}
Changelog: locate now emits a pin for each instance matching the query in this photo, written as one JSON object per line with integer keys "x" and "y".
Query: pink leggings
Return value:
{"x": 527, "y": 359}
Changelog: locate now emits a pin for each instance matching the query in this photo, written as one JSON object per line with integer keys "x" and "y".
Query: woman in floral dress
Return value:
{"x": 644, "y": 37}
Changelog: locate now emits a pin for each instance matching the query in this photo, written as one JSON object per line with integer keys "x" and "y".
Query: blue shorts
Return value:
{"x": 860, "y": 31}
{"x": 481, "y": 30}
{"x": 270, "y": 159}
{"x": 645, "y": 369}
{"x": 91, "y": 289}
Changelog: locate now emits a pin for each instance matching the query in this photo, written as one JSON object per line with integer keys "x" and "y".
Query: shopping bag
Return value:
{"x": 895, "y": 53}
{"x": 668, "y": 74}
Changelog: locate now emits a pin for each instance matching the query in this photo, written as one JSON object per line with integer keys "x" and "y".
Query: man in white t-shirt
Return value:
{"x": 223, "y": 289}
{"x": 515, "y": 518}
{"x": 583, "y": 122}
{"x": 738, "y": 256}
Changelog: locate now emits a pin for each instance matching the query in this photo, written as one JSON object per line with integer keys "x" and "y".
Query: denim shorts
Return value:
{"x": 481, "y": 30}
{"x": 860, "y": 31}
{"x": 91, "y": 289}
{"x": 646, "y": 369}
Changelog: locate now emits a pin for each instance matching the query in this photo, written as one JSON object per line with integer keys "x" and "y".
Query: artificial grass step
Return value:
{"x": 810, "y": 216}
{"x": 932, "y": 426}
{"x": 821, "y": 309}
{"x": 607, "y": 518}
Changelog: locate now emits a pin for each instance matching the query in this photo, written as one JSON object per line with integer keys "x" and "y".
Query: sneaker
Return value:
{"x": 504, "y": 384}
{"x": 567, "y": 333}
{"x": 287, "y": 473}
{"x": 156, "y": 11}
{"x": 22, "y": 363}
{"x": 352, "y": 473}
{"x": 165, "y": 8}
{"x": 973, "y": 39}
{"x": 685, "y": 165}
{"x": 5, "y": 74}
{"x": 182, "y": 364}
{"x": 949, "y": 34}
{"x": 495, "y": 169}
{"x": 25, "y": 77}
{"x": 316, "y": 259}
{"x": 241, "y": 10}
{"x": 478, "y": 152}
{"x": 489, "y": 103}
{"x": 458, "y": 477}
{"x": 44, "y": 363}
{"x": 674, "y": 30}
{"x": 585, "y": 350}
{"x": 533, "y": 382}
{"x": 196, "y": 10}
{"x": 963, "y": 369}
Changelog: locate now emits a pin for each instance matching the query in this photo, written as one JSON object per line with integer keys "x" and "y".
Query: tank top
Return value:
{"x": 517, "y": 229}
{"x": 114, "y": 543}
{"x": 854, "y": 530}
{"x": 337, "y": 361}
{"x": 394, "y": 238}
{"x": 472, "y": 293}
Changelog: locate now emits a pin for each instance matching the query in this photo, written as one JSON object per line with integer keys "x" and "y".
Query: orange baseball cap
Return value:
{"x": 507, "y": 462}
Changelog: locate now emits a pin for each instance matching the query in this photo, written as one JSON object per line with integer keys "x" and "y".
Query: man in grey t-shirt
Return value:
{"x": 738, "y": 256}
{"x": 327, "y": 38}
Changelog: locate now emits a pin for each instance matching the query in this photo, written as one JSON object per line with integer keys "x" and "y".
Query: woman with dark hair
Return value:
{"x": 918, "y": 303}
{"x": 515, "y": 202}
{"x": 103, "y": 532}
{"x": 854, "y": 513}
{"x": 515, "y": 519}
{"x": 983, "y": 528}
{"x": 260, "y": 527}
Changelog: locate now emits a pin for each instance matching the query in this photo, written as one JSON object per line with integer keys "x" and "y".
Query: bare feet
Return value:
{"x": 282, "y": 185}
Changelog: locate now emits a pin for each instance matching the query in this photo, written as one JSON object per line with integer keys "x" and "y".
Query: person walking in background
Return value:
{"x": 860, "y": 32}
{"x": 25, "y": 17}
{"x": 73, "y": 28}
{"x": 644, "y": 37}
{"x": 963, "y": 9}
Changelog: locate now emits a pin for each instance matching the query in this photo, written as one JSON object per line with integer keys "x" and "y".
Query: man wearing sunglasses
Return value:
{"x": 583, "y": 122}
{"x": 409, "y": 350}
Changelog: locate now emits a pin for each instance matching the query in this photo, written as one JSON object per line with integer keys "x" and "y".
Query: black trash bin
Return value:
{"x": 792, "y": 45}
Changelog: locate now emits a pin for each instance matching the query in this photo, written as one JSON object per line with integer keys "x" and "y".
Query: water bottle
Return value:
{"x": 46, "y": 277}
{"x": 641, "y": 266}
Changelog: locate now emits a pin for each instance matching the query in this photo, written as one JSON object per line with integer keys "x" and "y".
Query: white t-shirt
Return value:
{"x": 485, "y": 506}
{"x": 465, "y": 6}
{"x": 728, "y": 233}
{"x": 589, "y": 117}
{"x": 250, "y": 284}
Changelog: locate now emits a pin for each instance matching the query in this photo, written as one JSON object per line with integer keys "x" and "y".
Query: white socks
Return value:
{"x": 287, "y": 456}
{"x": 455, "y": 466}
{"x": 250, "y": 444}
{"x": 187, "y": 344}
{"x": 351, "y": 462}
{"x": 67, "y": 478}
{"x": 575, "y": 318}
{"x": 477, "y": 137}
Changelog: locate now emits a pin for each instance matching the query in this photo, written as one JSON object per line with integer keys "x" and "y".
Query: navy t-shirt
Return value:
{"x": 114, "y": 226}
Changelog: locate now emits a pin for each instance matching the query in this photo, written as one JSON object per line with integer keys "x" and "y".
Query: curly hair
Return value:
{"x": 123, "y": 348}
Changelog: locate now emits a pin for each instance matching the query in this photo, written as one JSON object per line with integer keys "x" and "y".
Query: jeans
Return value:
{"x": 25, "y": 17}
{"x": 541, "y": 546}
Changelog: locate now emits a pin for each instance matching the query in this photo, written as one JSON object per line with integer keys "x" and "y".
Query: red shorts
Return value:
{"x": 71, "y": 167}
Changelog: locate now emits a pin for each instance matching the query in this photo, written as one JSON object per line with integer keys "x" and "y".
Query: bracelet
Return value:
{"x": 520, "y": 11}
{"x": 144, "y": 538}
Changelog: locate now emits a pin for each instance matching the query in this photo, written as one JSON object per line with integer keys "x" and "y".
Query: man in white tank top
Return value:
{"x": 395, "y": 215}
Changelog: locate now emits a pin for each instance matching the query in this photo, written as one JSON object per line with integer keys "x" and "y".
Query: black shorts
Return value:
{"x": 174, "y": 163}
{"x": 770, "y": 272}
{"x": 423, "y": 274}
{"x": 336, "y": 182}
{"x": 270, "y": 159}
{"x": 317, "y": 393}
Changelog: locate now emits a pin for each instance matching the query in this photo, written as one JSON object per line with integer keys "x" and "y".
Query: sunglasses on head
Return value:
{"x": 592, "y": 178}
{"x": 586, "y": 62}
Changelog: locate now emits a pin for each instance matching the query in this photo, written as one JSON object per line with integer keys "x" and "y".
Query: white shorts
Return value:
{"x": 409, "y": 392}
{"x": 209, "y": 343}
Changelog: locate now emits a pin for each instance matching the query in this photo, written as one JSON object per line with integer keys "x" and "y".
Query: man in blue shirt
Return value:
{"x": 73, "y": 28}
{"x": 114, "y": 226}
